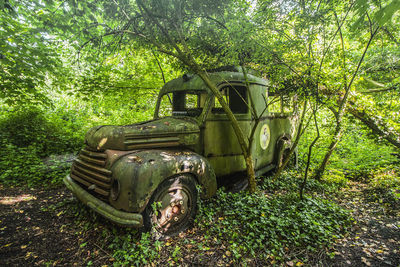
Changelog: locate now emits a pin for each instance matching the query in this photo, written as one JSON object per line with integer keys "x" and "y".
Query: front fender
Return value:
{"x": 139, "y": 174}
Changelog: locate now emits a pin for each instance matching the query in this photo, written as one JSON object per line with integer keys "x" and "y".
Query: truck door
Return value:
{"x": 221, "y": 146}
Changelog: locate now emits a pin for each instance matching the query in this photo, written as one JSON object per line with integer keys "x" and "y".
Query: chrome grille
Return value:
{"x": 89, "y": 170}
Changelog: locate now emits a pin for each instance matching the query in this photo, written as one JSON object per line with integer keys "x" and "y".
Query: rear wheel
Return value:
{"x": 293, "y": 158}
{"x": 172, "y": 208}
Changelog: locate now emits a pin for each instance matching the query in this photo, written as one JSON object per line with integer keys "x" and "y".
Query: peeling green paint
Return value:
{"x": 166, "y": 131}
{"x": 133, "y": 160}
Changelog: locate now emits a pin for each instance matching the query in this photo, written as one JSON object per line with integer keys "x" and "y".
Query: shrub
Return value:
{"x": 335, "y": 177}
{"x": 384, "y": 187}
{"x": 24, "y": 167}
{"x": 258, "y": 225}
{"x": 290, "y": 181}
{"x": 357, "y": 154}
{"x": 19, "y": 164}
{"x": 131, "y": 250}
{"x": 30, "y": 128}
{"x": 26, "y": 136}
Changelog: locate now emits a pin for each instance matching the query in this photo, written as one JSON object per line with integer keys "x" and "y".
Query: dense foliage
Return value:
{"x": 66, "y": 66}
{"x": 260, "y": 226}
{"x": 264, "y": 226}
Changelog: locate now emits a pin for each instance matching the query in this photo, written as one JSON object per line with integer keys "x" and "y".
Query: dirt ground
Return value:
{"x": 375, "y": 237}
{"x": 33, "y": 232}
{"x": 30, "y": 234}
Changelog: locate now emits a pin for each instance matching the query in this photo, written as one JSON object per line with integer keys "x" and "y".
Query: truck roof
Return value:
{"x": 189, "y": 82}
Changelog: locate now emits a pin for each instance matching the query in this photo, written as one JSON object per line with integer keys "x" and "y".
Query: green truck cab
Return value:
{"x": 147, "y": 174}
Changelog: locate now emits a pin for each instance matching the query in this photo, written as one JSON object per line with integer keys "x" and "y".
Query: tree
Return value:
{"x": 182, "y": 30}
{"x": 27, "y": 55}
{"x": 314, "y": 43}
{"x": 311, "y": 48}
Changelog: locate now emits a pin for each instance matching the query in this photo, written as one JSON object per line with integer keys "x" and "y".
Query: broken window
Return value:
{"x": 235, "y": 97}
{"x": 181, "y": 104}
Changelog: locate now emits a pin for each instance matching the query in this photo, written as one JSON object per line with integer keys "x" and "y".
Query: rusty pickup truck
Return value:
{"x": 147, "y": 174}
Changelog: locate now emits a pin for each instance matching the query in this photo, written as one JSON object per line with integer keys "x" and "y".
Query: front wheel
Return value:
{"x": 173, "y": 206}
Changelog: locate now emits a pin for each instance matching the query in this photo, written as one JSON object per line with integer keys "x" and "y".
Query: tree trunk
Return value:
{"x": 303, "y": 184}
{"x": 295, "y": 143}
{"x": 336, "y": 138}
{"x": 244, "y": 145}
{"x": 370, "y": 122}
{"x": 342, "y": 106}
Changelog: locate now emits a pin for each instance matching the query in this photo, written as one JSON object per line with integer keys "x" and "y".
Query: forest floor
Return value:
{"x": 34, "y": 230}
{"x": 374, "y": 239}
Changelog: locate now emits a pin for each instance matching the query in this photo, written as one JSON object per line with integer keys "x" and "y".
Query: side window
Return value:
{"x": 236, "y": 97}
{"x": 217, "y": 105}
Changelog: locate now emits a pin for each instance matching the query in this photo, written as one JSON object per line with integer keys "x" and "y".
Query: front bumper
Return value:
{"x": 119, "y": 217}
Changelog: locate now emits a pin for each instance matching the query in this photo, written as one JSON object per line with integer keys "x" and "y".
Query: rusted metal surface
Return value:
{"x": 164, "y": 132}
{"x": 102, "y": 208}
{"x": 176, "y": 203}
{"x": 139, "y": 174}
{"x": 88, "y": 169}
{"x": 124, "y": 165}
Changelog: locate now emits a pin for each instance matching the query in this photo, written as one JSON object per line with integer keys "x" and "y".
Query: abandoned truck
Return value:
{"x": 146, "y": 174}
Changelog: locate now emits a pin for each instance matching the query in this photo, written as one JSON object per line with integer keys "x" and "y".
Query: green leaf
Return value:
{"x": 385, "y": 14}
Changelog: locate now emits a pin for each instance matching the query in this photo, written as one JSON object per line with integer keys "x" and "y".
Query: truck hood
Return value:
{"x": 165, "y": 132}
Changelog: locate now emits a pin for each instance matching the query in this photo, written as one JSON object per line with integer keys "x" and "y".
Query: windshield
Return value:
{"x": 182, "y": 103}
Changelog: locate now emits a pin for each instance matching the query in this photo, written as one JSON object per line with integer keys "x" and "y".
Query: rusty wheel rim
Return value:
{"x": 174, "y": 208}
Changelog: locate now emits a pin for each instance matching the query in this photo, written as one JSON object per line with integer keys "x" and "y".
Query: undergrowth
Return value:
{"x": 267, "y": 227}
{"x": 384, "y": 188}
{"x": 34, "y": 138}
{"x": 262, "y": 226}
{"x": 28, "y": 137}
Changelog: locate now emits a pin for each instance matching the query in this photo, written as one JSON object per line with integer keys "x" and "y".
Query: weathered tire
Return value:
{"x": 177, "y": 209}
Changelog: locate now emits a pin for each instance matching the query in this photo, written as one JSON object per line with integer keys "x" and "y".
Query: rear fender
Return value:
{"x": 139, "y": 174}
{"x": 283, "y": 143}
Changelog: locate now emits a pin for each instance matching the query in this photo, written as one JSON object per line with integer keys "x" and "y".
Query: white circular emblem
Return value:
{"x": 265, "y": 136}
